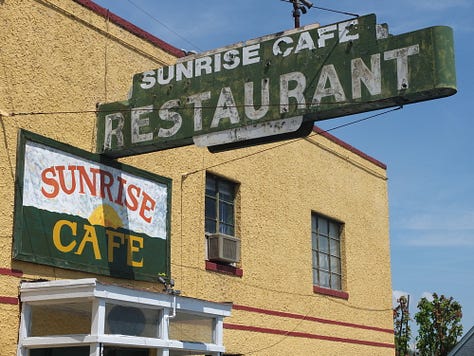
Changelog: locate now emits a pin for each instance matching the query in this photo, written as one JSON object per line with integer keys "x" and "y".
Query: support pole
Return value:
{"x": 296, "y": 12}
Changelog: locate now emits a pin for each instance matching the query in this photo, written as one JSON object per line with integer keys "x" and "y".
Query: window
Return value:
{"x": 220, "y": 205}
{"x": 223, "y": 247}
{"x": 326, "y": 242}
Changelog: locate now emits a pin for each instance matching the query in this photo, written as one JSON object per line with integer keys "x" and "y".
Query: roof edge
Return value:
{"x": 466, "y": 338}
{"x": 130, "y": 27}
{"x": 345, "y": 145}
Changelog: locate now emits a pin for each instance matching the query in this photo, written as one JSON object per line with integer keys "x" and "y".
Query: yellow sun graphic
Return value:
{"x": 105, "y": 215}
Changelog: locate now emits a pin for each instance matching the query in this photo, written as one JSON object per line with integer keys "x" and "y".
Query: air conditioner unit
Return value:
{"x": 223, "y": 248}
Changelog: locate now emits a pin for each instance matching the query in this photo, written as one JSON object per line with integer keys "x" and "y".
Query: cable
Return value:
{"x": 327, "y": 9}
{"x": 320, "y": 296}
{"x": 363, "y": 119}
{"x": 33, "y": 113}
{"x": 5, "y": 142}
{"x": 128, "y": 45}
{"x": 164, "y": 25}
{"x": 214, "y": 107}
{"x": 185, "y": 175}
{"x": 106, "y": 62}
{"x": 285, "y": 335}
{"x": 182, "y": 107}
{"x": 291, "y": 141}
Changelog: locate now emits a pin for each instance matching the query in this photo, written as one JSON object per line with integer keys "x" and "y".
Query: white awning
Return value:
{"x": 85, "y": 314}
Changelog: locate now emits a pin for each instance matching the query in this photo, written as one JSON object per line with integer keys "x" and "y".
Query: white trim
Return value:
{"x": 56, "y": 341}
{"x": 52, "y": 291}
{"x": 98, "y": 317}
{"x": 219, "y": 331}
{"x": 118, "y": 340}
{"x": 25, "y": 319}
{"x": 57, "y": 290}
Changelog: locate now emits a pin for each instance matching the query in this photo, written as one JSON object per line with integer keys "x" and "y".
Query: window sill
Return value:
{"x": 225, "y": 269}
{"x": 331, "y": 292}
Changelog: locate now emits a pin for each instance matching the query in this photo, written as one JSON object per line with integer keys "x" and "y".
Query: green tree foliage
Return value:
{"x": 439, "y": 324}
{"x": 401, "y": 327}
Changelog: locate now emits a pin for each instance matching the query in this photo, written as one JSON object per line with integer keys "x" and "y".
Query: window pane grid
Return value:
{"x": 326, "y": 252}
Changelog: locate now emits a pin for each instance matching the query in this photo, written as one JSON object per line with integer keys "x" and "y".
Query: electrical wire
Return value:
{"x": 39, "y": 113}
{"x": 290, "y": 293}
{"x": 364, "y": 119}
{"x": 5, "y": 142}
{"x": 285, "y": 335}
{"x": 185, "y": 175}
{"x": 327, "y": 9}
{"x": 71, "y": 15}
{"x": 261, "y": 151}
{"x": 284, "y": 143}
{"x": 202, "y": 106}
{"x": 106, "y": 61}
{"x": 205, "y": 107}
{"x": 165, "y": 26}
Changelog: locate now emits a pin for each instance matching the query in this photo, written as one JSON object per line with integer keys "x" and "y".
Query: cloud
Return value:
{"x": 428, "y": 296}
{"x": 430, "y": 5}
{"x": 435, "y": 228}
{"x": 426, "y": 13}
{"x": 439, "y": 220}
{"x": 443, "y": 238}
{"x": 396, "y": 294}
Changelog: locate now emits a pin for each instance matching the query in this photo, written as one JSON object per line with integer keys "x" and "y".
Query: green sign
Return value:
{"x": 277, "y": 85}
{"x": 77, "y": 210}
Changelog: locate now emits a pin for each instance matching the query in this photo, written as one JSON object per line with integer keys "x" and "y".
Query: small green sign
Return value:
{"x": 79, "y": 211}
{"x": 278, "y": 84}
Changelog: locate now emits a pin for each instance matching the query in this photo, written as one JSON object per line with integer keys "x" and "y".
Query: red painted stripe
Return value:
{"x": 331, "y": 292}
{"x": 341, "y": 143}
{"x": 9, "y": 300}
{"x": 137, "y": 31}
{"x": 11, "y": 272}
{"x": 233, "y": 271}
{"x": 309, "y": 318}
{"x": 306, "y": 335}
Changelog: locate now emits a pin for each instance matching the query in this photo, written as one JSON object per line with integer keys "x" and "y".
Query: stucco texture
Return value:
{"x": 280, "y": 185}
{"x": 58, "y": 59}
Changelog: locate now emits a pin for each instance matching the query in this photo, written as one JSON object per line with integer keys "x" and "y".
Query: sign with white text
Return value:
{"x": 77, "y": 212}
{"x": 278, "y": 85}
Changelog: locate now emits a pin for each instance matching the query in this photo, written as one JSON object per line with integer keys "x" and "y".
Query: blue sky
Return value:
{"x": 427, "y": 147}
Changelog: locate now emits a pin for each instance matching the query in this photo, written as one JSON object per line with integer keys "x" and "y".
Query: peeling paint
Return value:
{"x": 316, "y": 72}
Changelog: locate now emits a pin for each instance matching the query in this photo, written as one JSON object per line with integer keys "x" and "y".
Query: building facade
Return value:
{"x": 277, "y": 249}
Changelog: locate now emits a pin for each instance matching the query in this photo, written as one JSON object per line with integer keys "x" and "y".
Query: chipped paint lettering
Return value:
{"x": 313, "y": 72}
{"x": 292, "y": 87}
{"x": 247, "y": 55}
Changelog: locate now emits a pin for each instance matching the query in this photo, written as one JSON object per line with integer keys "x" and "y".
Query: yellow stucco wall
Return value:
{"x": 58, "y": 59}
{"x": 55, "y": 56}
{"x": 279, "y": 188}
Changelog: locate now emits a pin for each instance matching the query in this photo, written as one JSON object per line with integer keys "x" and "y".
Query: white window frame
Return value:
{"x": 65, "y": 291}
